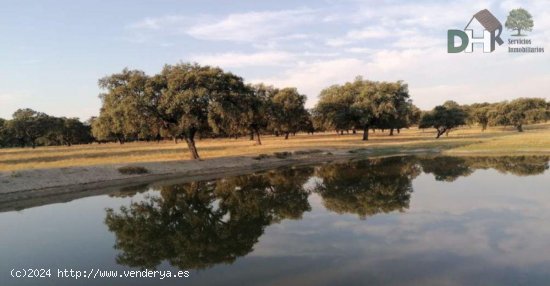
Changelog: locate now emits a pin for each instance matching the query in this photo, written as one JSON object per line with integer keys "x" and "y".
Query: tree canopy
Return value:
{"x": 288, "y": 111}
{"x": 185, "y": 98}
{"x": 33, "y": 128}
{"x": 444, "y": 118}
{"x": 364, "y": 104}
{"x": 519, "y": 112}
{"x": 189, "y": 101}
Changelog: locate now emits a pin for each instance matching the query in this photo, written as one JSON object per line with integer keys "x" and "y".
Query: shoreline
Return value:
{"x": 36, "y": 187}
{"x": 44, "y": 186}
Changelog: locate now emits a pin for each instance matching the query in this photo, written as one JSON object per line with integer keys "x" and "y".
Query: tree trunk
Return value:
{"x": 398, "y": 130}
{"x": 519, "y": 128}
{"x": 192, "y": 148}
{"x": 258, "y": 140}
{"x": 353, "y": 131}
{"x": 366, "y": 133}
{"x": 251, "y": 135}
{"x": 391, "y": 131}
{"x": 286, "y": 135}
{"x": 341, "y": 132}
{"x": 189, "y": 136}
{"x": 440, "y": 132}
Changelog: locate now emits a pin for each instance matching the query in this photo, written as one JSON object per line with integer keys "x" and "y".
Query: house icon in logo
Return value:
{"x": 492, "y": 28}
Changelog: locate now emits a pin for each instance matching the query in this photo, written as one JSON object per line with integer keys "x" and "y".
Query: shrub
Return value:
{"x": 132, "y": 170}
{"x": 261, "y": 157}
{"x": 282, "y": 155}
{"x": 307, "y": 152}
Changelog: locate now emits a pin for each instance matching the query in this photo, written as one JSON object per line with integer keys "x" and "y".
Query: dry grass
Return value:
{"x": 536, "y": 138}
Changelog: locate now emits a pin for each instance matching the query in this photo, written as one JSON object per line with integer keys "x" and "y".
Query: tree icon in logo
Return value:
{"x": 520, "y": 20}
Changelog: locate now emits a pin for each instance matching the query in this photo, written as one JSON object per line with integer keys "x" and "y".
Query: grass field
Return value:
{"x": 536, "y": 138}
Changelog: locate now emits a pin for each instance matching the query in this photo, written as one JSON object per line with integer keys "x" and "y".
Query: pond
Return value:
{"x": 412, "y": 220}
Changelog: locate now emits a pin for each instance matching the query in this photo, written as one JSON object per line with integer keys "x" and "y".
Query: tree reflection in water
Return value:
{"x": 447, "y": 168}
{"x": 198, "y": 225}
{"x": 368, "y": 187}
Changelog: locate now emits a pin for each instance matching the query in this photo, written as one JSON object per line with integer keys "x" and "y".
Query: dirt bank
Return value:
{"x": 23, "y": 189}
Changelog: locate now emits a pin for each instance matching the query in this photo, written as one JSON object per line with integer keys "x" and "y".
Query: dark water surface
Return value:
{"x": 392, "y": 221}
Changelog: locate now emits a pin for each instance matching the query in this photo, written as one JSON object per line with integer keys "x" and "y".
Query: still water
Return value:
{"x": 392, "y": 221}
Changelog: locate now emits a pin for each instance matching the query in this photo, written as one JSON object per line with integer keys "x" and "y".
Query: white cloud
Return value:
{"x": 151, "y": 23}
{"x": 239, "y": 60}
{"x": 252, "y": 26}
{"x": 431, "y": 15}
{"x": 368, "y": 33}
{"x": 360, "y": 50}
{"x": 475, "y": 92}
{"x": 419, "y": 41}
{"x": 313, "y": 49}
{"x": 433, "y": 75}
{"x": 312, "y": 77}
{"x": 151, "y": 29}
{"x": 360, "y": 35}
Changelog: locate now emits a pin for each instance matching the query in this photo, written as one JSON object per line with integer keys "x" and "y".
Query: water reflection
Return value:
{"x": 446, "y": 168}
{"x": 197, "y": 225}
{"x": 201, "y": 224}
{"x": 368, "y": 187}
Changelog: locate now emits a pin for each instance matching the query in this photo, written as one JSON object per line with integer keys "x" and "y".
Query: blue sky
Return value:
{"x": 53, "y": 52}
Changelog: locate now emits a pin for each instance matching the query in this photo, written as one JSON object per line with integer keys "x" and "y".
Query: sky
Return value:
{"x": 52, "y": 53}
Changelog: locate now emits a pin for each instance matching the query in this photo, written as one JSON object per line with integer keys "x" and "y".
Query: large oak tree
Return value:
{"x": 187, "y": 99}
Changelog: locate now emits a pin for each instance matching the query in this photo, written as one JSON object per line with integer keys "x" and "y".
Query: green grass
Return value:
{"x": 534, "y": 141}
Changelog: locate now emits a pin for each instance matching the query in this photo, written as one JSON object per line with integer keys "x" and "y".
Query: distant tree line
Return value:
{"x": 189, "y": 102}
{"x": 32, "y": 128}
{"x": 515, "y": 113}
{"x": 368, "y": 105}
